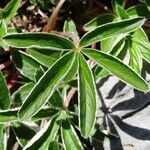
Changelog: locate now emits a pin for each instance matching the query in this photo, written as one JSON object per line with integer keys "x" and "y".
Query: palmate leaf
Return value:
{"x": 45, "y": 87}
{"x": 4, "y": 93}
{"x": 69, "y": 136}
{"x": 10, "y": 10}
{"x": 38, "y": 40}
{"x": 86, "y": 97}
{"x": 117, "y": 68}
{"x": 45, "y": 136}
{"x": 111, "y": 30}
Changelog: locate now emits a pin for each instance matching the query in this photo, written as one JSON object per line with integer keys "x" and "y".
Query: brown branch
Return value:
{"x": 69, "y": 97}
{"x": 53, "y": 19}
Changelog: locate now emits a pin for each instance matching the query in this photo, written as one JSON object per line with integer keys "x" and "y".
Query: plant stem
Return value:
{"x": 68, "y": 97}
{"x": 53, "y": 19}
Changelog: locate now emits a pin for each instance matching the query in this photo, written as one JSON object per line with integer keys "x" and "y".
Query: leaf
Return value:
{"x": 45, "y": 113}
{"x": 54, "y": 146}
{"x": 38, "y": 40}
{"x": 71, "y": 74}
{"x": 4, "y": 93}
{"x": 118, "y": 2}
{"x": 100, "y": 20}
{"x": 2, "y": 142}
{"x": 117, "y": 68}
{"x": 142, "y": 42}
{"x": 10, "y": 10}
{"x": 111, "y": 30}
{"x": 45, "y": 87}
{"x": 10, "y": 115}
{"x": 69, "y": 137}
{"x": 44, "y": 56}
{"x": 7, "y": 116}
{"x": 118, "y": 8}
{"x": 115, "y": 51}
{"x": 21, "y": 94}
{"x": 3, "y": 28}
{"x": 145, "y": 49}
{"x": 139, "y": 10}
{"x": 135, "y": 57}
{"x": 45, "y": 136}
{"x": 122, "y": 13}
{"x": 69, "y": 26}
{"x": 56, "y": 100}
{"x": 3, "y": 31}
{"x": 26, "y": 65}
{"x": 87, "y": 98}
{"x": 148, "y": 4}
{"x": 109, "y": 44}
{"x": 23, "y": 133}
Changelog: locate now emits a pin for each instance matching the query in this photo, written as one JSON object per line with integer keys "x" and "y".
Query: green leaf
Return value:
{"x": 45, "y": 87}
{"x": 21, "y": 94}
{"x": 148, "y": 4}
{"x": 118, "y": 2}
{"x": 45, "y": 136}
{"x": 10, "y": 10}
{"x": 45, "y": 113}
{"x": 56, "y": 100}
{"x": 69, "y": 26}
{"x": 87, "y": 98}
{"x": 54, "y": 146}
{"x": 122, "y": 13}
{"x": 69, "y": 137}
{"x": 139, "y": 10}
{"x": 2, "y": 144}
{"x": 111, "y": 30}
{"x": 38, "y": 40}
{"x": 3, "y": 31}
{"x": 142, "y": 42}
{"x": 135, "y": 57}
{"x": 3, "y": 28}
{"x": 4, "y": 93}
{"x": 144, "y": 48}
{"x": 71, "y": 74}
{"x": 117, "y": 68}
{"x": 23, "y": 133}
{"x": 44, "y": 56}
{"x": 7, "y": 116}
{"x": 100, "y": 20}
{"x": 26, "y": 65}
{"x": 115, "y": 51}
{"x": 10, "y": 115}
{"x": 118, "y": 8}
{"x": 109, "y": 44}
